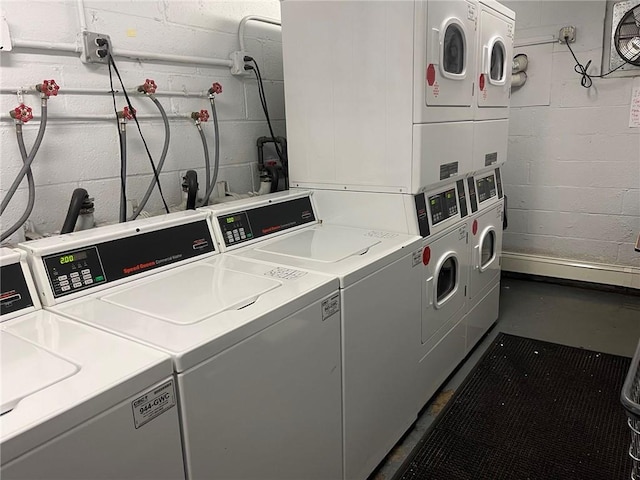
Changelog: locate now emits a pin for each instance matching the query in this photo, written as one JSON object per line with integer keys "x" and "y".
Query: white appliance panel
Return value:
{"x": 105, "y": 447}
{"x": 441, "y": 151}
{"x": 444, "y": 59}
{"x": 495, "y": 52}
{"x": 444, "y": 280}
{"x": 286, "y": 379}
{"x": 482, "y": 315}
{"x": 490, "y": 139}
{"x": 486, "y": 242}
{"x": 207, "y": 290}
{"x": 379, "y": 329}
{"x": 320, "y": 245}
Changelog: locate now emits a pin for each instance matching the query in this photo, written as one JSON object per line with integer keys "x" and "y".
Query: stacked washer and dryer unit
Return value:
{"x": 397, "y": 118}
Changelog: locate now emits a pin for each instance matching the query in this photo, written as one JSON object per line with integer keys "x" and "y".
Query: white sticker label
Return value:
{"x": 285, "y": 273}
{"x": 379, "y": 234}
{"x": 634, "y": 112}
{"x": 509, "y": 30}
{"x": 417, "y": 258}
{"x": 462, "y": 232}
{"x": 153, "y": 403}
{"x": 330, "y": 306}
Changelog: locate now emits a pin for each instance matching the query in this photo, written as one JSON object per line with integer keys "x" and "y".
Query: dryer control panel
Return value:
{"x": 433, "y": 209}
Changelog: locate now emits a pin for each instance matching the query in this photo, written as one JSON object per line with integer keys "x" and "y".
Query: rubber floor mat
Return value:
{"x": 530, "y": 410}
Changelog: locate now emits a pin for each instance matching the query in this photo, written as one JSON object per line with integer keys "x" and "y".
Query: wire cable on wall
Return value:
{"x": 587, "y": 80}
{"x": 265, "y": 108}
{"x": 123, "y": 160}
{"x": 146, "y": 147}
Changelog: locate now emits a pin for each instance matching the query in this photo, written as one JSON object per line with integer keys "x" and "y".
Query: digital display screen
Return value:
{"x": 75, "y": 257}
{"x": 443, "y": 205}
{"x": 486, "y": 187}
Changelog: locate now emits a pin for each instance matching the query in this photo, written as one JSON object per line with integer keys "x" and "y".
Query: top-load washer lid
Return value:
{"x": 322, "y": 245}
{"x": 193, "y": 294}
{"x": 26, "y": 368}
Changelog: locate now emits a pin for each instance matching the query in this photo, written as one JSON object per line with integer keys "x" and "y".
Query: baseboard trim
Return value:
{"x": 605, "y": 274}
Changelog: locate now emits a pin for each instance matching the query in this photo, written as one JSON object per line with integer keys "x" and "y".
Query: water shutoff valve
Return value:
{"x": 149, "y": 87}
{"x": 128, "y": 113}
{"x": 48, "y": 88}
{"x": 201, "y": 116}
{"x": 22, "y": 113}
{"x": 216, "y": 89}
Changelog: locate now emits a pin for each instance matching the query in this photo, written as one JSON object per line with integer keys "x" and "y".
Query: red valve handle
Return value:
{"x": 49, "y": 88}
{"x": 22, "y": 113}
{"x": 203, "y": 116}
{"x": 215, "y": 88}
{"x": 148, "y": 87}
{"x": 128, "y": 113}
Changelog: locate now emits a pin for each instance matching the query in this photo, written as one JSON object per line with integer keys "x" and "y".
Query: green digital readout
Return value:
{"x": 230, "y": 219}
{"x": 73, "y": 257}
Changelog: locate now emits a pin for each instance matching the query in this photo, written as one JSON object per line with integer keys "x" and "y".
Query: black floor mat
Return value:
{"x": 530, "y": 410}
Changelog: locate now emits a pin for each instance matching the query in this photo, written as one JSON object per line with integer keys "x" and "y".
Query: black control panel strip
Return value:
{"x": 80, "y": 269}
{"x": 473, "y": 201}
{"x": 499, "y": 182}
{"x": 14, "y": 292}
{"x": 421, "y": 213}
{"x": 462, "y": 199}
{"x": 246, "y": 225}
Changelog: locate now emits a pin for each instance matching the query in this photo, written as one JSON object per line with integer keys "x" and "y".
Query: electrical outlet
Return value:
{"x": 568, "y": 33}
{"x": 238, "y": 63}
{"x": 95, "y": 48}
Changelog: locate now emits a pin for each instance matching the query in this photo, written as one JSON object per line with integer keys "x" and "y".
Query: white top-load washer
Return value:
{"x": 496, "y": 24}
{"x": 79, "y": 403}
{"x": 380, "y": 299}
{"x": 255, "y": 348}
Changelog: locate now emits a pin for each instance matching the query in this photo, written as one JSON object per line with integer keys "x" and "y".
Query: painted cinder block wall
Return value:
{"x": 573, "y": 172}
{"x": 86, "y": 154}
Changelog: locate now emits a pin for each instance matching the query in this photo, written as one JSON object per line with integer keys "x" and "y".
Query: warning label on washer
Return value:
{"x": 330, "y": 306}
{"x": 153, "y": 403}
{"x": 417, "y": 258}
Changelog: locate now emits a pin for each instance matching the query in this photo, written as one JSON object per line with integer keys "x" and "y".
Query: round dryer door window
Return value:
{"x": 488, "y": 249}
{"x": 447, "y": 280}
{"x": 453, "y": 50}
{"x": 497, "y": 62}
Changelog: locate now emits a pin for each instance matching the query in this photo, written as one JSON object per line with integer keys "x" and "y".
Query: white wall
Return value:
{"x": 573, "y": 174}
{"x": 86, "y": 154}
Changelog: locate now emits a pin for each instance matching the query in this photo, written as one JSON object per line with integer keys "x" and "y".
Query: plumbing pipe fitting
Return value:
{"x": 48, "y": 88}
{"x": 149, "y": 87}
{"x": 201, "y": 116}
{"x": 216, "y": 89}
{"x": 128, "y": 113}
{"x": 22, "y": 113}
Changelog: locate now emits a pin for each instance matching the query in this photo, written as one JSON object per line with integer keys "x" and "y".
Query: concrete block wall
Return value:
{"x": 86, "y": 153}
{"x": 573, "y": 173}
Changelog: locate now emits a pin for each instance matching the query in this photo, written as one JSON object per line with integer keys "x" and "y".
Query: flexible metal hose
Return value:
{"x": 207, "y": 161}
{"x": 29, "y": 159}
{"x": 32, "y": 188}
{"x": 165, "y": 149}
{"x": 216, "y": 158}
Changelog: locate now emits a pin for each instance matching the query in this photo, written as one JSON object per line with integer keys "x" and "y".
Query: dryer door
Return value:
{"x": 487, "y": 247}
{"x": 448, "y": 52}
{"x": 494, "y": 59}
{"x": 444, "y": 283}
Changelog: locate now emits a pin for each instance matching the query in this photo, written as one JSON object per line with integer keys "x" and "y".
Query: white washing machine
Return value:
{"x": 255, "y": 348}
{"x": 495, "y": 52}
{"x": 77, "y": 402}
{"x": 380, "y": 299}
{"x": 379, "y": 94}
{"x": 486, "y": 221}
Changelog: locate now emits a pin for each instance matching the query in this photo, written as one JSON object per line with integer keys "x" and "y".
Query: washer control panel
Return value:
{"x": 486, "y": 187}
{"x": 71, "y": 271}
{"x": 14, "y": 291}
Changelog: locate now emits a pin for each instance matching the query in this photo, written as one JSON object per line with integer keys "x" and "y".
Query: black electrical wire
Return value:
{"x": 265, "y": 108}
{"x": 146, "y": 147}
{"x": 123, "y": 160}
{"x": 586, "y": 80}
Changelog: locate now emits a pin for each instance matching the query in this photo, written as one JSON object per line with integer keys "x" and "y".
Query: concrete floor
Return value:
{"x": 595, "y": 320}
